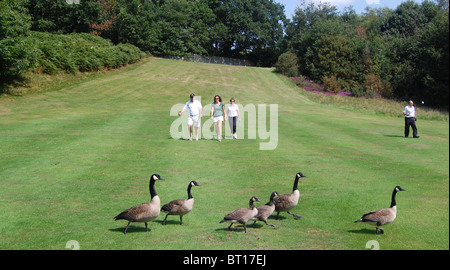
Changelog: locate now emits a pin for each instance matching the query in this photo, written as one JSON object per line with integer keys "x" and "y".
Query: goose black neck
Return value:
{"x": 393, "y": 202}
{"x": 295, "y": 183}
{"x": 189, "y": 192}
{"x": 272, "y": 197}
{"x": 250, "y": 203}
{"x": 271, "y": 201}
{"x": 152, "y": 188}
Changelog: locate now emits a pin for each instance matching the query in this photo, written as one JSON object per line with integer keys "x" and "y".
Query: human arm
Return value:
{"x": 182, "y": 111}
{"x": 405, "y": 111}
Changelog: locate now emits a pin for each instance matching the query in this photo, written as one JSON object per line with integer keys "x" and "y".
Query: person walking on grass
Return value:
{"x": 218, "y": 116}
{"x": 410, "y": 119}
{"x": 233, "y": 116}
{"x": 195, "y": 115}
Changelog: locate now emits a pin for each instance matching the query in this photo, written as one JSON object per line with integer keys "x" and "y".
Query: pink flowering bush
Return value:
{"x": 316, "y": 88}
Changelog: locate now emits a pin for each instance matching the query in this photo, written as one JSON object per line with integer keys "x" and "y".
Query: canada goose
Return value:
{"x": 144, "y": 212}
{"x": 242, "y": 215}
{"x": 382, "y": 216}
{"x": 286, "y": 202}
{"x": 264, "y": 211}
{"x": 180, "y": 207}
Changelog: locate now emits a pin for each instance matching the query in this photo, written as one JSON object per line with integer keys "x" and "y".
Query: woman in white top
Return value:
{"x": 233, "y": 116}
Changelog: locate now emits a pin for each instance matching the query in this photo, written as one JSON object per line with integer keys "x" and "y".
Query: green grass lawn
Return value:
{"x": 72, "y": 159}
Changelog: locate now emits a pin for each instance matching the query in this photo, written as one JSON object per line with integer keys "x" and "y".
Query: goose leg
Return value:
{"x": 245, "y": 227}
{"x": 165, "y": 219}
{"x": 278, "y": 213}
{"x": 254, "y": 223}
{"x": 380, "y": 229}
{"x": 181, "y": 220}
{"x": 126, "y": 228}
{"x": 146, "y": 227}
{"x": 295, "y": 216}
{"x": 272, "y": 225}
{"x": 229, "y": 227}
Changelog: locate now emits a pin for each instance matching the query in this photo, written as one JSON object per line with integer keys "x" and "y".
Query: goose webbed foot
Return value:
{"x": 379, "y": 229}
{"x": 294, "y": 215}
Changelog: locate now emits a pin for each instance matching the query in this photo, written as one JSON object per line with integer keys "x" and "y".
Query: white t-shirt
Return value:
{"x": 232, "y": 110}
{"x": 411, "y": 111}
{"x": 194, "y": 107}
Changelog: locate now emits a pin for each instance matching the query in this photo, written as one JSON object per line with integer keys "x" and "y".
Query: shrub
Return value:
{"x": 80, "y": 52}
{"x": 331, "y": 84}
{"x": 287, "y": 64}
{"x": 373, "y": 85}
{"x": 357, "y": 91}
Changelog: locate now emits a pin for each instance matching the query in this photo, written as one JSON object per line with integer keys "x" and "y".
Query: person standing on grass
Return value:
{"x": 195, "y": 115}
{"x": 218, "y": 116}
{"x": 233, "y": 116}
{"x": 410, "y": 119}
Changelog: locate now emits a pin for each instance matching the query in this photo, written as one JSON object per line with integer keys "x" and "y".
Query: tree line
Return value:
{"x": 401, "y": 53}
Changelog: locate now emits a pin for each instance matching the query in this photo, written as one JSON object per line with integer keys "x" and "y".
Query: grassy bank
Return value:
{"x": 72, "y": 159}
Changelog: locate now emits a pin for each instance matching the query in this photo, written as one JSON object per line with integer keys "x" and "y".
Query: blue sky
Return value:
{"x": 358, "y": 5}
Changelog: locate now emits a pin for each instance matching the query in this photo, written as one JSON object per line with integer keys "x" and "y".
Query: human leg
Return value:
{"x": 406, "y": 127}
{"x": 414, "y": 128}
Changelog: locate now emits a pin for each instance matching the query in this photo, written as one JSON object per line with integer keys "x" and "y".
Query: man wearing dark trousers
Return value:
{"x": 410, "y": 119}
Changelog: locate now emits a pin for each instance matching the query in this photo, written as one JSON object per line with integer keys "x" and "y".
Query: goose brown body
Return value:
{"x": 382, "y": 216}
{"x": 144, "y": 212}
{"x": 242, "y": 215}
{"x": 180, "y": 207}
{"x": 265, "y": 211}
{"x": 286, "y": 202}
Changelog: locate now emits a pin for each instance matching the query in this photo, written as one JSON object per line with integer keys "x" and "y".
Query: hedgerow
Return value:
{"x": 79, "y": 52}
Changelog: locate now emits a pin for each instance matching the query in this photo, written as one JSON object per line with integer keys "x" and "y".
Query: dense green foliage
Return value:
{"x": 247, "y": 29}
{"x": 14, "y": 47}
{"x": 21, "y": 48}
{"x": 80, "y": 52}
{"x": 403, "y": 51}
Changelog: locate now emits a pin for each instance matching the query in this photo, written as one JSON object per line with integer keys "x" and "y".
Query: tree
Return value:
{"x": 245, "y": 28}
{"x": 287, "y": 64}
{"x": 15, "y": 50}
{"x": 57, "y": 16}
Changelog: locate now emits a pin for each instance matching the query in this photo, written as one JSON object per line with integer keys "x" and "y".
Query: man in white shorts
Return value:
{"x": 195, "y": 115}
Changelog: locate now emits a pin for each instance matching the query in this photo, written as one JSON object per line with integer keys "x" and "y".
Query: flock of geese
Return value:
{"x": 147, "y": 212}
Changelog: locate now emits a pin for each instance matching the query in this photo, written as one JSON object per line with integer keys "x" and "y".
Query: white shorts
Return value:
{"x": 194, "y": 121}
{"x": 217, "y": 119}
